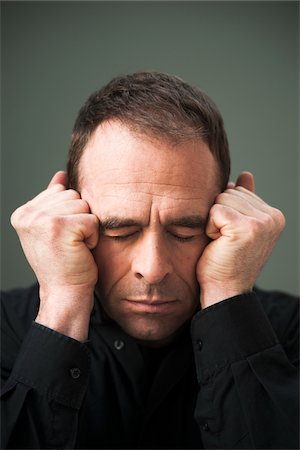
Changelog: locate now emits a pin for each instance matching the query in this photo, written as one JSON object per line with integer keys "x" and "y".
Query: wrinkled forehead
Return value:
{"x": 118, "y": 165}
{"x": 114, "y": 149}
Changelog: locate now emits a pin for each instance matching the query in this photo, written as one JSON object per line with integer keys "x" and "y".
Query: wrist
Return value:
{"x": 66, "y": 311}
{"x": 210, "y": 295}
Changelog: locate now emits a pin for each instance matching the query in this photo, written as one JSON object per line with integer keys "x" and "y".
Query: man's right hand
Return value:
{"x": 57, "y": 233}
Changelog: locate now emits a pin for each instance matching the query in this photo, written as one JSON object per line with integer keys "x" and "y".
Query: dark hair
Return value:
{"x": 155, "y": 104}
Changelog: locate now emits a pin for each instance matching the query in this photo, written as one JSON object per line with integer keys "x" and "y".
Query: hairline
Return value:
{"x": 149, "y": 135}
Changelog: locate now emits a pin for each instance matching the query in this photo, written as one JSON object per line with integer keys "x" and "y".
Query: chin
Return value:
{"x": 152, "y": 332}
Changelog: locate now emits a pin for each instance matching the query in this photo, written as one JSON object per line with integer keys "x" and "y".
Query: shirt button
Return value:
{"x": 199, "y": 346}
{"x": 205, "y": 427}
{"x": 75, "y": 373}
{"x": 119, "y": 344}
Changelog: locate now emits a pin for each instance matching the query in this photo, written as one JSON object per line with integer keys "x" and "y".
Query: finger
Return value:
{"x": 230, "y": 185}
{"x": 247, "y": 196}
{"x": 70, "y": 207}
{"x": 86, "y": 226}
{"x": 246, "y": 180}
{"x": 221, "y": 220}
{"x": 50, "y": 196}
{"x": 243, "y": 204}
{"x": 60, "y": 177}
{"x": 212, "y": 231}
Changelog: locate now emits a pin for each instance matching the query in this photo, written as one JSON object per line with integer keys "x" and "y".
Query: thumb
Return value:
{"x": 60, "y": 177}
{"x": 246, "y": 180}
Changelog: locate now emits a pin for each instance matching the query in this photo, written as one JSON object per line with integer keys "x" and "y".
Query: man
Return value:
{"x": 145, "y": 330}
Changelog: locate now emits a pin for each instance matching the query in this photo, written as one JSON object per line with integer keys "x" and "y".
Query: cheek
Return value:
{"x": 186, "y": 258}
{"x": 112, "y": 265}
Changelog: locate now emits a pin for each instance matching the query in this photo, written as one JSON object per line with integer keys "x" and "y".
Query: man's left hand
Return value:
{"x": 243, "y": 229}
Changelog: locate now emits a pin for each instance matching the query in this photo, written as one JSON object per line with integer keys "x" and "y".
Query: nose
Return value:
{"x": 151, "y": 260}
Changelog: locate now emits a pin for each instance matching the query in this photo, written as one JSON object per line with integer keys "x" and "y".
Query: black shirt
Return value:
{"x": 228, "y": 381}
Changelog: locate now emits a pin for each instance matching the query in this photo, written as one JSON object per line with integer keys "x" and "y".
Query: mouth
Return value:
{"x": 151, "y": 306}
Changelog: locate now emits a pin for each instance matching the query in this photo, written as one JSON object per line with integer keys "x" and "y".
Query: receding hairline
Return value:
{"x": 171, "y": 108}
{"x": 145, "y": 135}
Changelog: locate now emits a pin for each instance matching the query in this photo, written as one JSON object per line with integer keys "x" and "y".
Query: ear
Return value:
{"x": 246, "y": 180}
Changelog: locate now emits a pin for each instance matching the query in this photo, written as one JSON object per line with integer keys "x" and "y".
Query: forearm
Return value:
{"x": 44, "y": 393}
{"x": 248, "y": 394}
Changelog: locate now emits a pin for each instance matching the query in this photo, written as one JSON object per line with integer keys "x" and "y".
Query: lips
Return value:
{"x": 151, "y": 301}
{"x": 153, "y": 305}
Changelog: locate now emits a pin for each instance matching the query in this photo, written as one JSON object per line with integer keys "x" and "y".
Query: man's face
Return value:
{"x": 152, "y": 201}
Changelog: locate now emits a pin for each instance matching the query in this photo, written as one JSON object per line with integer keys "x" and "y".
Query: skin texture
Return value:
{"x": 150, "y": 183}
{"x": 148, "y": 227}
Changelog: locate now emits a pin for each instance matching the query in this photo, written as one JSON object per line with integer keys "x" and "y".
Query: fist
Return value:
{"x": 243, "y": 229}
{"x": 57, "y": 233}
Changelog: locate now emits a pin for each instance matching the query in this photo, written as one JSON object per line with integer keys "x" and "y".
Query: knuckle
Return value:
{"x": 279, "y": 218}
{"x": 72, "y": 194}
{"x": 95, "y": 218}
{"x": 85, "y": 206}
{"x": 14, "y": 219}
{"x": 214, "y": 209}
{"x": 274, "y": 220}
{"x": 96, "y": 221}
{"x": 18, "y": 217}
{"x": 254, "y": 227}
{"x": 56, "y": 188}
{"x": 92, "y": 221}
{"x": 220, "y": 197}
{"x": 268, "y": 222}
{"x": 54, "y": 224}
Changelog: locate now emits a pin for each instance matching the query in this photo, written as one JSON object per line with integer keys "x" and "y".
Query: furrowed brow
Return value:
{"x": 188, "y": 222}
{"x": 111, "y": 223}
{"x": 195, "y": 222}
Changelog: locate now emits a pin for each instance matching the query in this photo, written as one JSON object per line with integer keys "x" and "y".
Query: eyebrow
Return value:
{"x": 111, "y": 223}
{"x": 188, "y": 222}
{"x": 193, "y": 221}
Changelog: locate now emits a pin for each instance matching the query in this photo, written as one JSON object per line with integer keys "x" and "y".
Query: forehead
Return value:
{"x": 120, "y": 169}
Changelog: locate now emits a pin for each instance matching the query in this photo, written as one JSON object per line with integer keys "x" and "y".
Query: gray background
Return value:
{"x": 243, "y": 54}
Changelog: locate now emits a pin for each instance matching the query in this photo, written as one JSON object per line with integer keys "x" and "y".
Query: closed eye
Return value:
{"x": 121, "y": 237}
{"x": 180, "y": 238}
